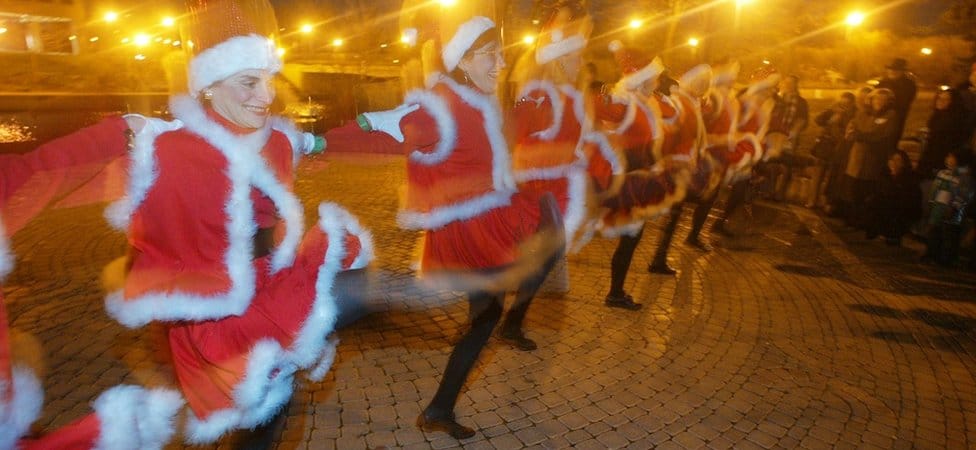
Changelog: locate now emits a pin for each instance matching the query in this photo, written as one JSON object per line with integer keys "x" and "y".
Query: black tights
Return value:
{"x": 485, "y": 310}
{"x": 698, "y": 219}
{"x": 620, "y": 263}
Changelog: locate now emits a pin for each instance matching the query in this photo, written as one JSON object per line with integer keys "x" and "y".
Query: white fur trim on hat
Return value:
{"x": 231, "y": 56}
{"x": 559, "y": 48}
{"x": 462, "y": 40}
{"x": 633, "y": 81}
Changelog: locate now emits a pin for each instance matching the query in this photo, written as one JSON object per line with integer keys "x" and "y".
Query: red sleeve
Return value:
{"x": 419, "y": 131}
{"x": 101, "y": 142}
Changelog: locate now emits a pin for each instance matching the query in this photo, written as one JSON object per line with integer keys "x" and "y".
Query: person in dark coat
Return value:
{"x": 903, "y": 85}
{"x": 873, "y": 139}
{"x": 895, "y": 205}
{"x": 948, "y": 131}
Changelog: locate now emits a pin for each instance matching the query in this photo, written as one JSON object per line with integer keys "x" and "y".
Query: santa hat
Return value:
{"x": 226, "y": 37}
{"x": 634, "y": 65}
{"x": 697, "y": 80}
{"x": 725, "y": 75}
{"x": 567, "y": 30}
{"x": 457, "y": 41}
{"x": 765, "y": 77}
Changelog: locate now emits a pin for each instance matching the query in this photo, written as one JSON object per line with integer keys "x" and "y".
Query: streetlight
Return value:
{"x": 528, "y": 39}
{"x": 855, "y": 18}
{"x": 693, "y": 42}
{"x": 926, "y": 51}
{"x": 337, "y": 42}
{"x": 111, "y": 16}
{"x": 168, "y": 21}
{"x": 307, "y": 28}
{"x": 448, "y": 3}
{"x": 635, "y": 23}
{"x": 141, "y": 40}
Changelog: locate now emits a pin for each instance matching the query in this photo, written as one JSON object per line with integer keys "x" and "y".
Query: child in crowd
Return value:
{"x": 950, "y": 193}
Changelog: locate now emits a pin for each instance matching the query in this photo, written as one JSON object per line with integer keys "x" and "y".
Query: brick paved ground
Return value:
{"x": 792, "y": 334}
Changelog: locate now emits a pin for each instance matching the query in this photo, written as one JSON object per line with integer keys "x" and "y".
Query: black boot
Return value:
{"x": 431, "y": 422}
{"x": 516, "y": 338}
{"x": 623, "y": 301}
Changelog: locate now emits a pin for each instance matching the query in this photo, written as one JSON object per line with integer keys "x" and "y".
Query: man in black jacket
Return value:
{"x": 903, "y": 85}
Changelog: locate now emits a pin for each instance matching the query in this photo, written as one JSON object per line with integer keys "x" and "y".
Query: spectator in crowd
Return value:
{"x": 950, "y": 194}
{"x": 947, "y": 131}
{"x": 873, "y": 139}
{"x": 967, "y": 93}
{"x": 898, "y": 80}
{"x": 895, "y": 206}
{"x": 828, "y": 147}
{"x": 837, "y": 196}
{"x": 790, "y": 115}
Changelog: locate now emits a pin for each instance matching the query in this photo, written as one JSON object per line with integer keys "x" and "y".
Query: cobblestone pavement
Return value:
{"x": 794, "y": 334}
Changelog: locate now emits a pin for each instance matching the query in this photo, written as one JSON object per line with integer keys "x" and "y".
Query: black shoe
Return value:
{"x": 445, "y": 424}
{"x": 624, "y": 301}
{"x": 719, "y": 228}
{"x": 516, "y": 338}
{"x": 663, "y": 269}
{"x": 698, "y": 244}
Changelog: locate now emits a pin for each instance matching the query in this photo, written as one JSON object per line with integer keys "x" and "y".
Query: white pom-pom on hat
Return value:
{"x": 615, "y": 46}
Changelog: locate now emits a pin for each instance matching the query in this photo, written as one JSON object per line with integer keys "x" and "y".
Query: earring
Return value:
{"x": 208, "y": 95}
{"x": 467, "y": 79}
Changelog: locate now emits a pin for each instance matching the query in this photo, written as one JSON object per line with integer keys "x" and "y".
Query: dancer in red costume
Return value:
{"x": 554, "y": 146}
{"x": 462, "y": 193}
{"x": 751, "y": 140}
{"x": 125, "y": 417}
{"x": 654, "y": 181}
{"x": 215, "y": 234}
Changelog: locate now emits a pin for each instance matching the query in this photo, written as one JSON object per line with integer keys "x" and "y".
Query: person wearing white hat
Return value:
{"x": 215, "y": 232}
{"x": 461, "y": 192}
{"x": 555, "y": 147}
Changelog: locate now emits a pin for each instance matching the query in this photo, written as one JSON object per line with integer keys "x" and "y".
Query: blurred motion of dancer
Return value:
{"x": 216, "y": 246}
{"x": 461, "y": 191}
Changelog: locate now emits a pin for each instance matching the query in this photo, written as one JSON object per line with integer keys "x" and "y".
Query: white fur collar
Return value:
{"x": 555, "y": 99}
{"x": 488, "y": 105}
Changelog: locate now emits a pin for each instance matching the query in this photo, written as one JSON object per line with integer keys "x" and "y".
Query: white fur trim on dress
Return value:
{"x": 301, "y": 142}
{"x": 575, "y": 205}
{"x": 446, "y": 127}
{"x": 438, "y": 217}
{"x": 266, "y": 388}
{"x": 616, "y": 161}
{"x": 18, "y": 413}
{"x": 501, "y": 171}
{"x": 6, "y": 257}
{"x": 308, "y": 346}
{"x": 555, "y": 99}
{"x": 544, "y": 173}
{"x": 549, "y": 52}
{"x": 132, "y": 418}
{"x": 462, "y": 40}
{"x": 246, "y": 167}
{"x": 231, "y": 56}
{"x": 578, "y": 101}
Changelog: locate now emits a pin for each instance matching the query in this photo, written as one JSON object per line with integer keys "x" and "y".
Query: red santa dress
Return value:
{"x": 555, "y": 149}
{"x": 240, "y": 323}
{"x": 650, "y": 187}
{"x": 125, "y": 417}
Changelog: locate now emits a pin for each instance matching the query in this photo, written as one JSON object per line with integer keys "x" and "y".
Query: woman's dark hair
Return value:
{"x": 955, "y": 100}
{"x": 488, "y": 37}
